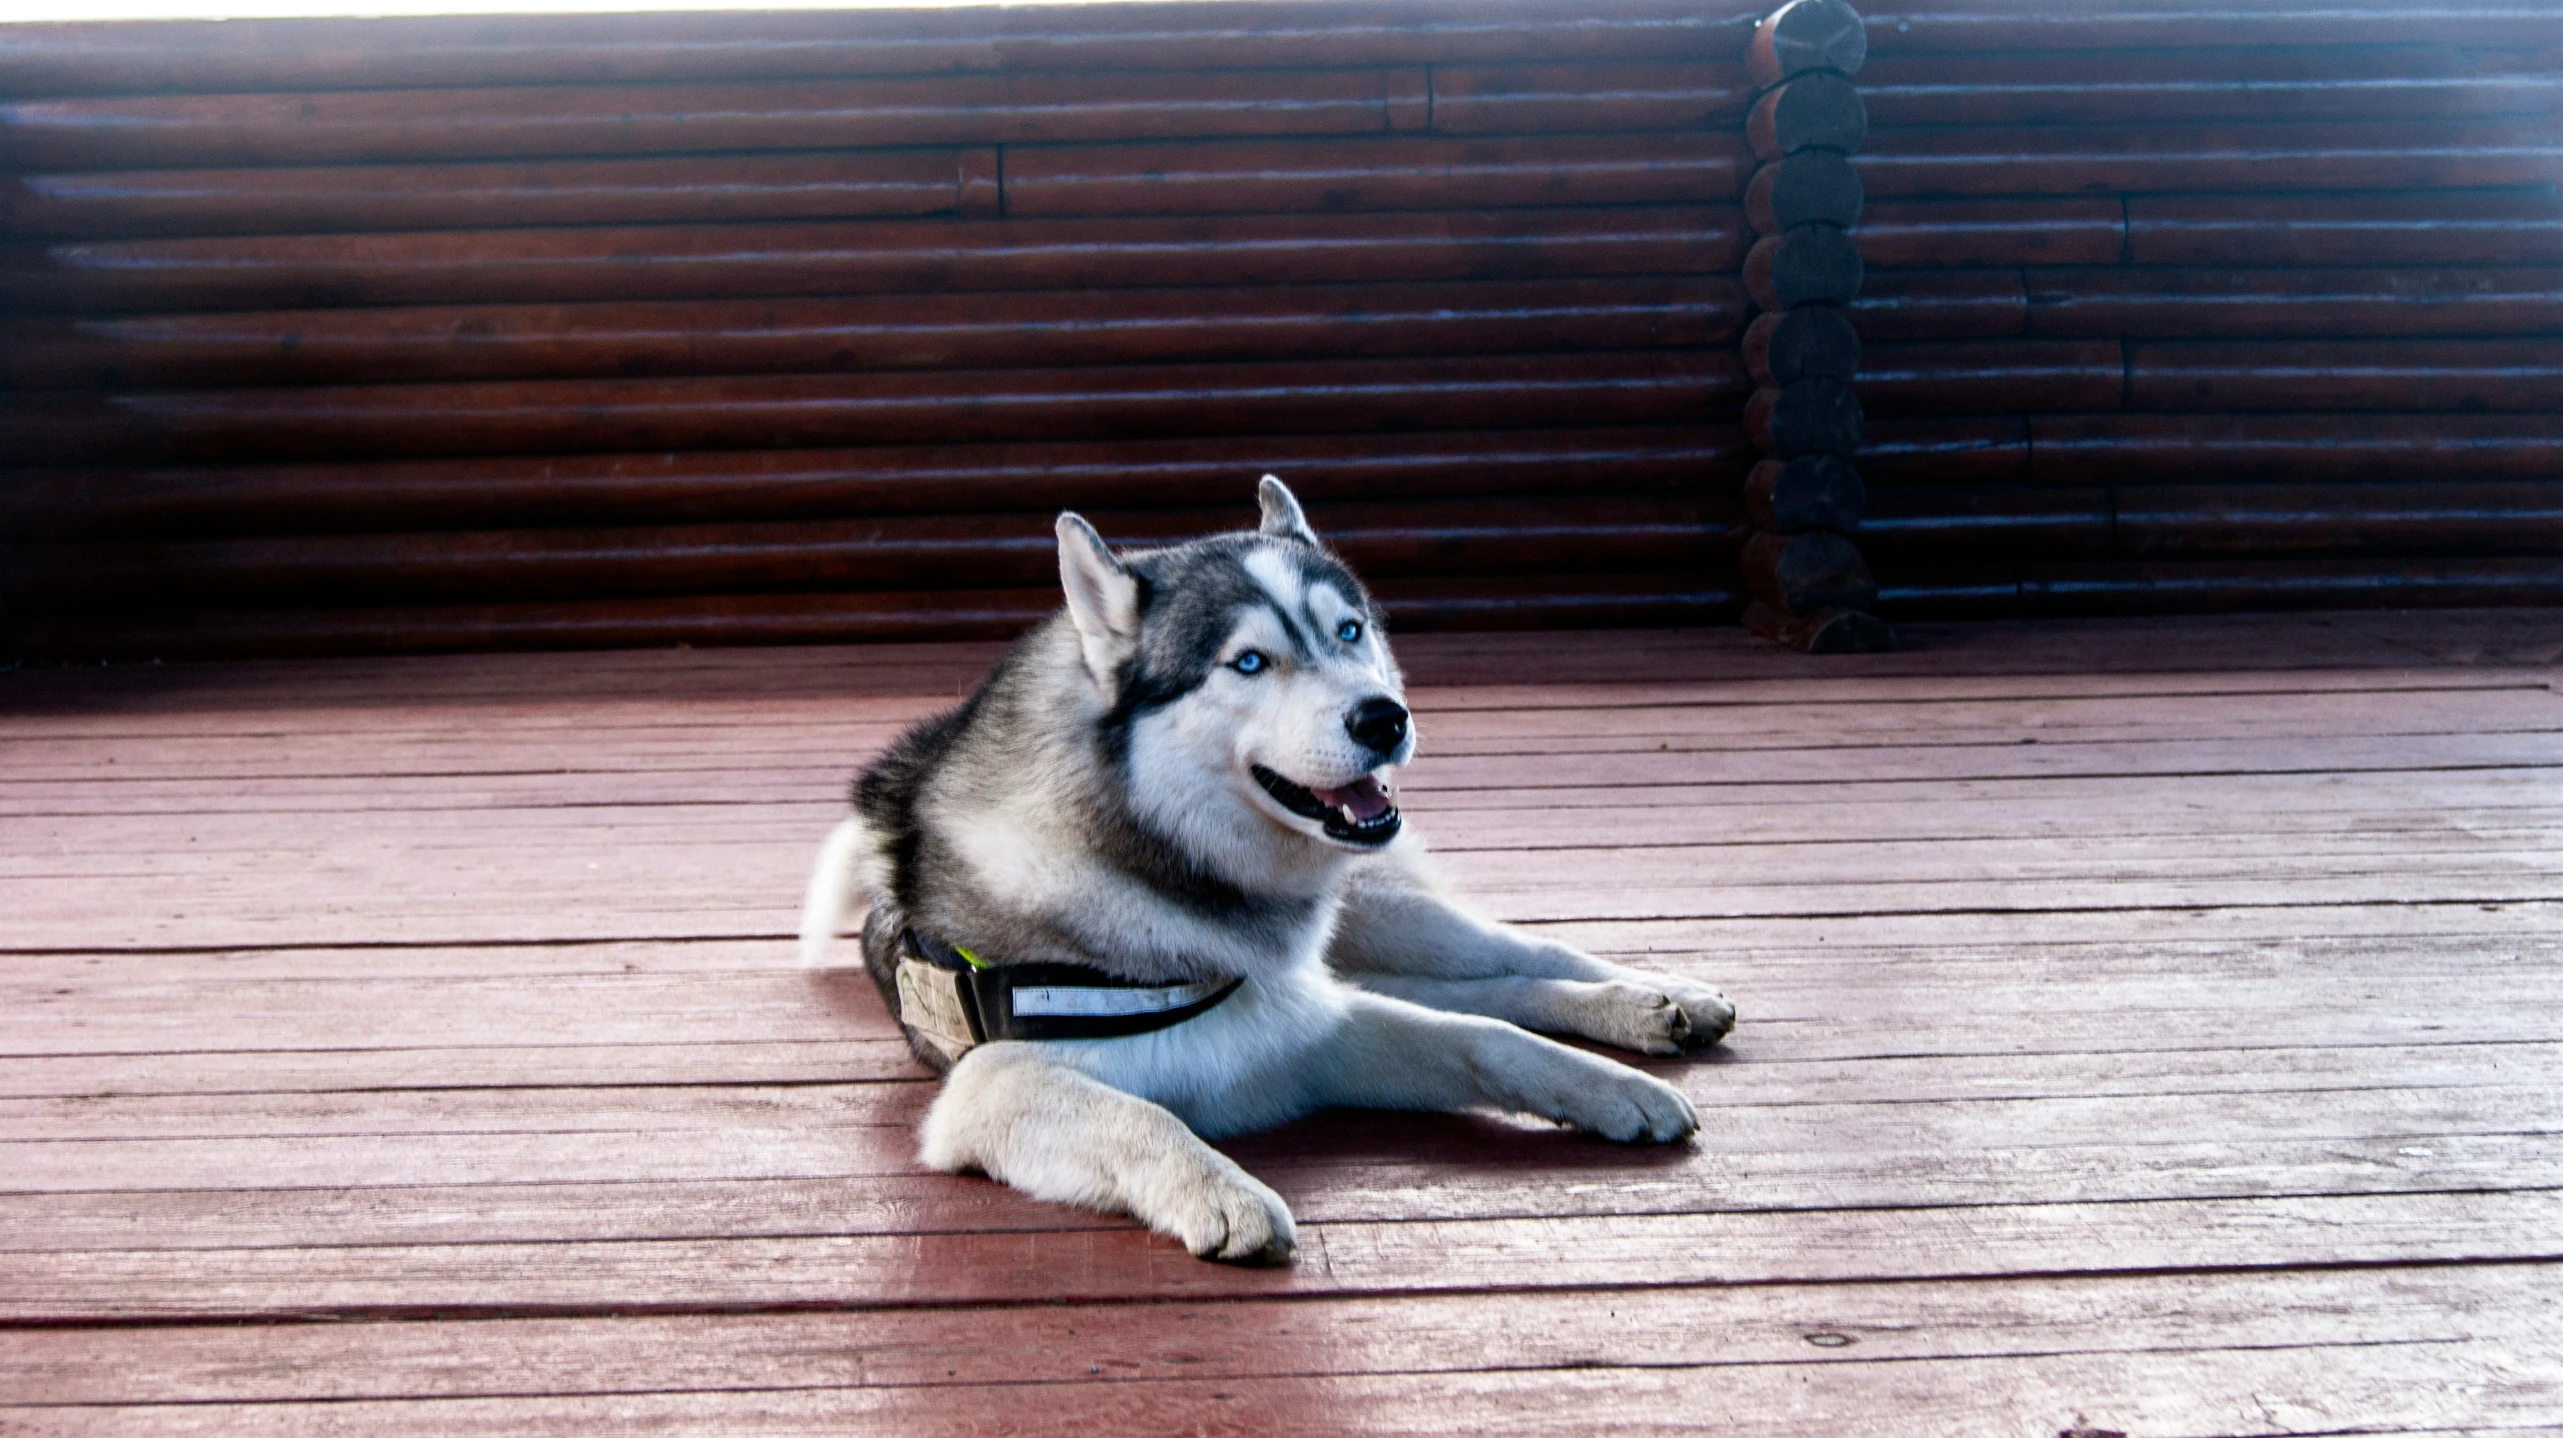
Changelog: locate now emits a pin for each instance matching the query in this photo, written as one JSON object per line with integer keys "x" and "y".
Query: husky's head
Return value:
{"x": 1248, "y": 685}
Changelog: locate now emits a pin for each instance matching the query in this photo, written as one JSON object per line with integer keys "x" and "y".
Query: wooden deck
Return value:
{"x": 2148, "y": 1027}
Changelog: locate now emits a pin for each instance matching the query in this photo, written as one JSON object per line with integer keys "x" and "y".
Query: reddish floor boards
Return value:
{"x": 2149, "y": 1027}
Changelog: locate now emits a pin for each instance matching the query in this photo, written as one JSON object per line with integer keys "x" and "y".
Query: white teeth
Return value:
{"x": 1347, "y": 811}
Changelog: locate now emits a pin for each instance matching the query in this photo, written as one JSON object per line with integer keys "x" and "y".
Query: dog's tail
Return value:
{"x": 836, "y": 884}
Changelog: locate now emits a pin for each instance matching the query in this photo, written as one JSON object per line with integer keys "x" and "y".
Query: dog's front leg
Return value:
{"x": 1400, "y": 934}
{"x": 1055, "y": 1133}
{"x": 1393, "y": 1054}
{"x": 1625, "y": 1014}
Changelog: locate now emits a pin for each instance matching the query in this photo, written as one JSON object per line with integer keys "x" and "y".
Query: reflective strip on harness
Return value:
{"x": 957, "y": 1002}
{"x": 1050, "y": 999}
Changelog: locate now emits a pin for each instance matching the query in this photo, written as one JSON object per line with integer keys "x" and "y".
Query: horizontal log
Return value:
{"x": 1473, "y": 536}
{"x": 1827, "y": 631}
{"x": 2489, "y": 227}
{"x": 1514, "y": 99}
{"x": 1903, "y": 450}
{"x": 2470, "y": 375}
{"x": 1814, "y": 111}
{"x": 1816, "y": 187}
{"x": 1804, "y": 573}
{"x": 703, "y": 621}
{"x": 1940, "y": 304}
{"x": 698, "y": 620}
{"x": 1806, "y": 35}
{"x": 1951, "y": 234}
{"x": 353, "y": 346}
{"x": 669, "y": 262}
{"x": 1690, "y": 596}
{"x": 844, "y": 184}
{"x": 155, "y": 131}
{"x": 2164, "y": 587}
{"x": 1784, "y": 346}
{"x": 1809, "y": 265}
{"x": 516, "y": 417}
{"x": 514, "y": 491}
{"x": 1911, "y": 592}
{"x": 2261, "y": 303}
{"x": 1937, "y": 30}
{"x": 2434, "y": 516}
{"x": 1379, "y": 174}
{"x": 2257, "y": 158}
{"x": 2145, "y": 449}
{"x": 1813, "y": 416}
{"x": 1993, "y": 376}
{"x": 2306, "y": 81}
{"x": 344, "y": 54}
{"x": 1815, "y": 491}
{"x": 1172, "y": 178}
{"x": 2127, "y": 587}
{"x": 1927, "y": 524}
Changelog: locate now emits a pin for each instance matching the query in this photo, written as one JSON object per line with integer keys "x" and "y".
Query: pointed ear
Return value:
{"x": 1282, "y": 517}
{"x": 1103, "y": 601}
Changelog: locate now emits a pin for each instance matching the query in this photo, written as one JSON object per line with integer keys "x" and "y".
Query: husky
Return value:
{"x": 1150, "y": 885}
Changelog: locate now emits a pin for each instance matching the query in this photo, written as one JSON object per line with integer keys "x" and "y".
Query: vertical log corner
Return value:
{"x": 1810, "y": 588}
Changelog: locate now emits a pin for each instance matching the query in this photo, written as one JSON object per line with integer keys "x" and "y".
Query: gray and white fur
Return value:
{"x": 1185, "y": 775}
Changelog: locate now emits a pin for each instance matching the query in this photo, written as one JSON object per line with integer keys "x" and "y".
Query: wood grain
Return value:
{"x": 278, "y": 499}
{"x": 158, "y": 131}
{"x": 716, "y": 412}
{"x": 683, "y": 262}
{"x": 737, "y": 337}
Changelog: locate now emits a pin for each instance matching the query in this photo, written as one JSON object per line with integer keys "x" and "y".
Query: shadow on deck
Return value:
{"x": 2148, "y": 1027}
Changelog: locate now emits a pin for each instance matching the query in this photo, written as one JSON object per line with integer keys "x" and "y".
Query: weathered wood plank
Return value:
{"x": 1398, "y": 1172}
{"x": 1728, "y": 1088}
{"x": 240, "y": 701}
{"x": 1802, "y": 764}
{"x": 1622, "y": 1251}
{"x": 2386, "y": 1390}
{"x": 376, "y": 874}
{"x": 1714, "y": 1326}
{"x": 1809, "y": 1154}
{"x": 688, "y": 744}
{"x": 1684, "y": 885}
{"x": 2367, "y": 803}
{"x": 2308, "y": 992}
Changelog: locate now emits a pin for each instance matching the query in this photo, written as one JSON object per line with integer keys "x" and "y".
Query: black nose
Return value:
{"x": 1377, "y": 724}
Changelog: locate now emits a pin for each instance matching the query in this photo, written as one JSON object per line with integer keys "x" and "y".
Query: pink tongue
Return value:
{"x": 1367, "y": 800}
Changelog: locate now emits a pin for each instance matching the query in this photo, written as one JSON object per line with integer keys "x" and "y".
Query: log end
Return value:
{"x": 1827, "y": 631}
{"x": 1807, "y": 35}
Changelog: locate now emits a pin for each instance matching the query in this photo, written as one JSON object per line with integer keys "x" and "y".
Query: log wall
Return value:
{"x": 358, "y": 335}
{"x": 2168, "y": 308}
{"x": 329, "y": 336}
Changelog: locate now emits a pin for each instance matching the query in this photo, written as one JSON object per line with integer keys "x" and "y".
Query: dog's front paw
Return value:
{"x": 1708, "y": 1015}
{"x": 1632, "y": 1108}
{"x": 1231, "y": 1217}
{"x": 1590, "y": 1093}
{"x": 1635, "y": 1016}
{"x": 1711, "y": 1013}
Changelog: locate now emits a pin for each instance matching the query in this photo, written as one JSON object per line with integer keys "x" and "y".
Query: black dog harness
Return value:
{"x": 961, "y": 1001}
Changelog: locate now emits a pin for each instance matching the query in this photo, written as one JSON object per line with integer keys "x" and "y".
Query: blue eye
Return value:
{"x": 1350, "y": 631}
{"x": 1250, "y": 662}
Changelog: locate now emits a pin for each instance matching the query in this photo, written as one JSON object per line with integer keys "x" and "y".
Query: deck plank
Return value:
{"x": 2370, "y": 1388}
{"x": 2149, "y": 1025}
{"x": 1644, "y": 1328}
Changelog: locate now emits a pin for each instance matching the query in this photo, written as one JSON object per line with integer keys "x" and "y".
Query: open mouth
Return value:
{"x": 1362, "y": 812}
